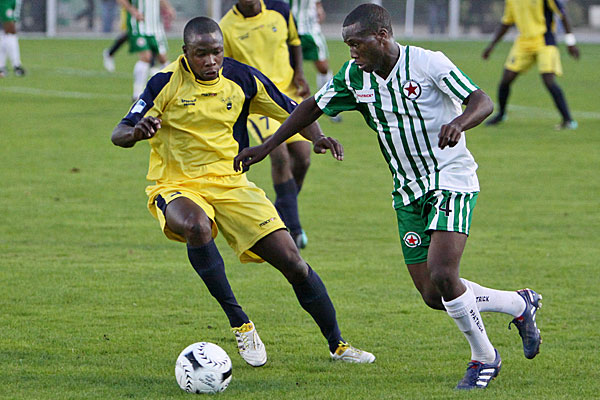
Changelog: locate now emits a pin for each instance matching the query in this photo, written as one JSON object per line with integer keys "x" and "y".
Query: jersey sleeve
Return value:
{"x": 556, "y": 6}
{"x": 268, "y": 100}
{"x": 153, "y": 100}
{"x": 508, "y": 18}
{"x": 293, "y": 36}
{"x": 335, "y": 96}
{"x": 448, "y": 78}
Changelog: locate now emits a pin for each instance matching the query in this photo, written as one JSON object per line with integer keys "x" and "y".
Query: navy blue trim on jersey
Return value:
{"x": 549, "y": 38}
{"x": 279, "y": 6}
{"x": 281, "y": 99}
{"x": 184, "y": 64}
{"x": 245, "y": 75}
{"x": 146, "y": 101}
{"x": 241, "y": 74}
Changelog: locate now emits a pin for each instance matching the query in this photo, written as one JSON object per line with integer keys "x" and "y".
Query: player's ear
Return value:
{"x": 184, "y": 48}
{"x": 382, "y": 35}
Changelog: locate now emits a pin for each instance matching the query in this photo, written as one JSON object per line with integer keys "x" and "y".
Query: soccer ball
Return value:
{"x": 203, "y": 368}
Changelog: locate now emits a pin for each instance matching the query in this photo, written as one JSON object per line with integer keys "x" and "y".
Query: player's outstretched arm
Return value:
{"x": 479, "y": 107}
{"x": 302, "y": 119}
{"x": 126, "y": 136}
{"x": 500, "y": 32}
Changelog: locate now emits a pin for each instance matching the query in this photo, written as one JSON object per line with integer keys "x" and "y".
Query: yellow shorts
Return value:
{"x": 261, "y": 127}
{"x": 525, "y": 53}
{"x": 235, "y": 205}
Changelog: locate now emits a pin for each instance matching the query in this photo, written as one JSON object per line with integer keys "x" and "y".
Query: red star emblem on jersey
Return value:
{"x": 411, "y": 90}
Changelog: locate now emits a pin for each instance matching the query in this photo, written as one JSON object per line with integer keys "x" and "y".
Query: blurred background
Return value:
{"x": 412, "y": 18}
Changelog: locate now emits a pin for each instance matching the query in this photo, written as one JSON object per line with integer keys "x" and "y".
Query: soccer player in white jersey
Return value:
{"x": 412, "y": 98}
{"x": 146, "y": 36}
{"x": 10, "y": 11}
{"x": 309, "y": 15}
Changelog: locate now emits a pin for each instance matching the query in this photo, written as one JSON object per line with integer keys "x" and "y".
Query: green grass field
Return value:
{"x": 95, "y": 303}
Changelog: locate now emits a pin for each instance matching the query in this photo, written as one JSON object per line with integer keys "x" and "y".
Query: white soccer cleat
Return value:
{"x": 109, "y": 62}
{"x": 347, "y": 353}
{"x": 250, "y": 347}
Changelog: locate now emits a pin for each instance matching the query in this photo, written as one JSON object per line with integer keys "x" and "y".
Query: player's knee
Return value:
{"x": 302, "y": 163}
{"x": 280, "y": 165}
{"x": 432, "y": 299}
{"x": 197, "y": 231}
{"x": 295, "y": 268}
{"x": 441, "y": 278}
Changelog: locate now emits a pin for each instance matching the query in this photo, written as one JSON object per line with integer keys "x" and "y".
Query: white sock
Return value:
{"x": 466, "y": 315}
{"x": 12, "y": 49}
{"x": 140, "y": 77}
{"x": 496, "y": 300}
{"x": 2, "y": 50}
{"x": 322, "y": 79}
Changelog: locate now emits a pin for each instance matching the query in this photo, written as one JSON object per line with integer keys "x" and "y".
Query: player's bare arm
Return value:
{"x": 303, "y": 120}
{"x": 131, "y": 9}
{"x": 500, "y": 32}
{"x": 126, "y": 136}
{"x": 569, "y": 37}
{"x": 299, "y": 79}
{"x": 478, "y": 107}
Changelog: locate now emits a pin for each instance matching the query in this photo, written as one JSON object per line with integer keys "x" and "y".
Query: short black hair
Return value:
{"x": 198, "y": 26}
{"x": 371, "y": 17}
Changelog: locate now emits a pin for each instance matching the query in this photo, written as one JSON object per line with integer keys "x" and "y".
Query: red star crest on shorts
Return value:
{"x": 412, "y": 239}
{"x": 411, "y": 90}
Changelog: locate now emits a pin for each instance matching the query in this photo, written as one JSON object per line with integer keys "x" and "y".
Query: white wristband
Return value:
{"x": 570, "y": 39}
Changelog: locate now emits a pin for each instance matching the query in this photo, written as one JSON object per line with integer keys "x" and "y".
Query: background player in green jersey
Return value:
{"x": 146, "y": 36}
{"x": 309, "y": 15}
{"x": 412, "y": 98}
{"x": 9, "y": 41}
{"x": 199, "y": 105}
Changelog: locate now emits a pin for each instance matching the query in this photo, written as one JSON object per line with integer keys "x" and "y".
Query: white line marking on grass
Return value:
{"x": 552, "y": 112}
{"x": 62, "y": 94}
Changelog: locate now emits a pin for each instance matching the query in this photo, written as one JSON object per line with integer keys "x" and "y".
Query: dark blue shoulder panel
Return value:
{"x": 274, "y": 93}
{"x": 146, "y": 101}
{"x": 281, "y": 7}
{"x": 241, "y": 74}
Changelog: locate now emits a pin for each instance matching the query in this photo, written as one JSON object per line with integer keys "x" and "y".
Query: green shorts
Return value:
{"x": 156, "y": 44}
{"x": 314, "y": 47}
{"x": 10, "y": 10}
{"x": 438, "y": 210}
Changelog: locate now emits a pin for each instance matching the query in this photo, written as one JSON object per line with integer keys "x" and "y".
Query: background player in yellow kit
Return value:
{"x": 536, "y": 43}
{"x": 263, "y": 35}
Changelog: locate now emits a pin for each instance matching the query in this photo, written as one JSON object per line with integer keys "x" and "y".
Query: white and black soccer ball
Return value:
{"x": 203, "y": 368}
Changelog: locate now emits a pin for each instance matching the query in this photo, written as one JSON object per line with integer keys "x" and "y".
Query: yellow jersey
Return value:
{"x": 534, "y": 18}
{"x": 262, "y": 41}
{"x": 203, "y": 122}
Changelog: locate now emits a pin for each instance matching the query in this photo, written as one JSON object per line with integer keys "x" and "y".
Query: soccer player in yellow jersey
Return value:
{"x": 263, "y": 34}
{"x": 193, "y": 114}
{"x": 536, "y": 43}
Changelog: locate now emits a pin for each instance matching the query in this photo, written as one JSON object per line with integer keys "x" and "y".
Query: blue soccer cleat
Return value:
{"x": 496, "y": 119}
{"x": 526, "y": 323}
{"x": 479, "y": 375}
{"x": 301, "y": 240}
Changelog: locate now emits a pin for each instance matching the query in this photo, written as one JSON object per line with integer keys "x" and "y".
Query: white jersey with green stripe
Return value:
{"x": 424, "y": 91}
{"x": 151, "y": 25}
{"x": 305, "y": 13}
